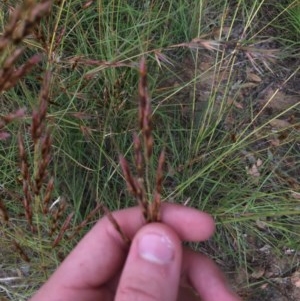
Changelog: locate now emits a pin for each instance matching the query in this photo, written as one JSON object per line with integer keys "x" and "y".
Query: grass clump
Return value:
{"x": 223, "y": 79}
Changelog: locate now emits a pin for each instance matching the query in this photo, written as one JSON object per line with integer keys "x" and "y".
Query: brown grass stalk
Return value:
{"x": 31, "y": 14}
{"x": 20, "y": 113}
{"x": 20, "y": 72}
{"x": 45, "y": 158}
{"x": 145, "y": 113}
{"x": 63, "y": 229}
{"x": 3, "y": 212}
{"x": 116, "y": 225}
{"x": 6, "y": 119}
{"x": 26, "y": 182}
{"x": 138, "y": 156}
{"x": 20, "y": 251}
{"x": 39, "y": 115}
{"x": 21, "y": 24}
{"x": 88, "y": 219}
{"x": 47, "y": 195}
{"x": 55, "y": 217}
{"x": 142, "y": 156}
{"x": 156, "y": 203}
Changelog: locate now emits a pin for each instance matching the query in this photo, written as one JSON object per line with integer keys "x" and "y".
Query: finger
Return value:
{"x": 206, "y": 278}
{"x": 152, "y": 269}
{"x": 187, "y": 294}
{"x": 102, "y": 252}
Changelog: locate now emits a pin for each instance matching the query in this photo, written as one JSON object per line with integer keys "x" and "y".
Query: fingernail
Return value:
{"x": 156, "y": 248}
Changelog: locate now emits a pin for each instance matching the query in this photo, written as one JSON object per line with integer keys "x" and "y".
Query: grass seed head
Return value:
{"x": 145, "y": 113}
{"x": 131, "y": 185}
{"x": 20, "y": 251}
{"x": 138, "y": 156}
{"x": 116, "y": 225}
{"x": 26, "y": 183}
{"x": 63, "y": 229}
{"x": 39, "y": 115}
{"x": 136, "y": 185}
{"x": 47, "y": 196}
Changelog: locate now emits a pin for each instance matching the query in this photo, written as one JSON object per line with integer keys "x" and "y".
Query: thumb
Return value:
{"x": 152, "y": 269}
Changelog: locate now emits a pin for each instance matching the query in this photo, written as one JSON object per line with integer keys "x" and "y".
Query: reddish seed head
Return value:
{"x": 4, "y": 135}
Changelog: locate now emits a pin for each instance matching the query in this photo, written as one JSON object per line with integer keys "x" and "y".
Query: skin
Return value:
{"x": 154, "y": 268}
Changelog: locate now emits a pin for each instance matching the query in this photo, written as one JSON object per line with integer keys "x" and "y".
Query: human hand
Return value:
{"x": 156, "y": 267}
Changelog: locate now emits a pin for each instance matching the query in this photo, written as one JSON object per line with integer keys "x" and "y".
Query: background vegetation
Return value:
{"x": 224, "y": 80}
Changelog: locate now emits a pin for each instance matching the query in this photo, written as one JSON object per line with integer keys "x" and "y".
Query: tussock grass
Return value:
{"x": 217, "y": 73}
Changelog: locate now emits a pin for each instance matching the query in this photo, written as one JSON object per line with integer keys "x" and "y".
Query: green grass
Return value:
{"x": 212, "y": 124}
